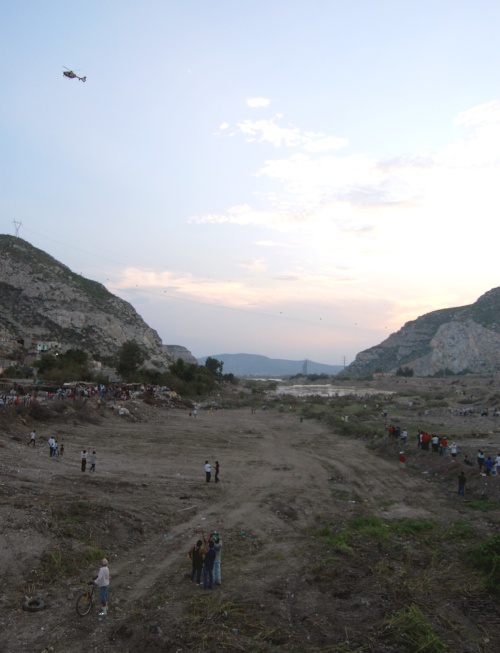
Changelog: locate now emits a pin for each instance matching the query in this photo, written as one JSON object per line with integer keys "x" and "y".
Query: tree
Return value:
{"x": 214, "y": 366}
{"x": 130, "y": 358}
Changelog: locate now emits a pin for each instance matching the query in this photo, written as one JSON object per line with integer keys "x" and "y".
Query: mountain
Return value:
{"x": 43, "y": 304}
{"x": 255, "y": 365}
{"x": 452, "y": 340}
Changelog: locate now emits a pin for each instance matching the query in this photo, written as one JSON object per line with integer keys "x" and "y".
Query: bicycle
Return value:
{"x": 85, "y": 601}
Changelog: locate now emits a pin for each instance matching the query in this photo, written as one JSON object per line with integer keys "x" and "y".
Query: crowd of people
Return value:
{"x": 205, "y": 558}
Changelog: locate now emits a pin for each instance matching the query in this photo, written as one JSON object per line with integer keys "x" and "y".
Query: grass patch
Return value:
{"x": 411, "y": 627}
{"x": 408, "y": 527}
{"x": 66, "y": 562}
{"x": 486, "y": 558}
{"x": 458, "y": 530}
{"x": 482, "y": 504}
{"x": 369, "y": 526}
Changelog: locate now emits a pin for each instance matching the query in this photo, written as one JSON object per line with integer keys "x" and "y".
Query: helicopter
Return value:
{"x": 71, "y": 75}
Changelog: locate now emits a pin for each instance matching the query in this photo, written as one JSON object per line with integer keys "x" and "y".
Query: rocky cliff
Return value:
{"x": 44, "y": 301}
{"x": 458, "y": 340}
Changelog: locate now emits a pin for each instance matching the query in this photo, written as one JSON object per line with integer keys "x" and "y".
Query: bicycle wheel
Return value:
{"x": 84, "y": 603}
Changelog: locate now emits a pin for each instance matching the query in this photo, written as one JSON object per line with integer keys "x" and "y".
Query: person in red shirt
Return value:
{"x": 402, "y": 460}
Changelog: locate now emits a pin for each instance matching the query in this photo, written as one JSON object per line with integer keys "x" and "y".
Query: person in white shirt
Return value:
{"x": 102, "y": 582}
{"x": 208, "y": 471}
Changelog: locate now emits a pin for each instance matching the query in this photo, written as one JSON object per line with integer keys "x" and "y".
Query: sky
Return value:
{"x": 291, "y": 178}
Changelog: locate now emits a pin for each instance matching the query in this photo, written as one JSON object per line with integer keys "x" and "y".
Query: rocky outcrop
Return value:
{"x": 176, "y": 352}
{"x": 43, "y": 300}
{"x": 457, "y": 340}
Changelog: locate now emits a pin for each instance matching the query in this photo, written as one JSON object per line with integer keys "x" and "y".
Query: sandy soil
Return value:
{"x": 281, "y": 480}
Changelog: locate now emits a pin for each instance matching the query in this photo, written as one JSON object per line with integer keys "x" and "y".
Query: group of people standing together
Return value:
{"x": 208, "y": 471}
{"x": 91, "y": 457}
{"x": 205, "y": 557}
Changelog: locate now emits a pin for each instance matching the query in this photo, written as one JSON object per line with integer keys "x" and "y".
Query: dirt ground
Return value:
{"x": 285, "y": 484}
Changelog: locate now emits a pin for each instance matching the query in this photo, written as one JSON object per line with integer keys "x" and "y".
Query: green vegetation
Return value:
{"x": 130, "y": 358}
{"x": 411, "y": 626}
{"x": 482, "y": 504}
{"x": 73, "y": 365}
{"x": 486, "y": 558}
{"x": 404, "y": 371}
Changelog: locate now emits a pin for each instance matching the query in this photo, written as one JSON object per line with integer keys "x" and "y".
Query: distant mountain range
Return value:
{"x": 255, "y": 365}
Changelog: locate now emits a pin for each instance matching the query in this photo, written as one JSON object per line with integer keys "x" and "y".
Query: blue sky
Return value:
{"x": 288, "y": 178}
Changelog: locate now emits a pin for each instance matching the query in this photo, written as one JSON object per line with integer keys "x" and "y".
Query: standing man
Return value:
{"x": 32, "y": 438}
{"x": 216, "y": 471}
{"x": 461, "y": 484}
{"x": 92, "y": 460}
{"x": 52, "y": 445}
{"x": 102, "y": 582}
{"x": 83, "y": 457}
{"x": 196, "y": 554}
{"x": 208, "y": 566}
{"x": 208, "y": 471}
{"x": 217, "y": 546}
{"x": 402, "y": 460}
{"x": 497, "y": 463}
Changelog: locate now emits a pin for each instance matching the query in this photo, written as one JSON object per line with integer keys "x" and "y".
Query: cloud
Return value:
{"x": 269, "y": 131}
{"x": 257, "y": 265}
{"x": 481, "y": 114}
{"x": 258, "y": 102}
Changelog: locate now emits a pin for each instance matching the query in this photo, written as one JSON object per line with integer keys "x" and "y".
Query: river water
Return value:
{"x": 327, "y": 390}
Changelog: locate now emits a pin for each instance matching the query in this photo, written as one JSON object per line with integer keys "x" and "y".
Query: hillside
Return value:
{"x": 42, "y": 300}
{"x": 452, "y": 341}
{"x": 256, "y": 365}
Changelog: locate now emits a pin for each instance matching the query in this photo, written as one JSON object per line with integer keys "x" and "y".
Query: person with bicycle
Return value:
{"x": 102, "y": 582}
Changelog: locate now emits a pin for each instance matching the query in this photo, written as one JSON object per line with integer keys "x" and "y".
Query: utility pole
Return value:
{"x": 17, "y": 226}
{"x": 344, "y": 361}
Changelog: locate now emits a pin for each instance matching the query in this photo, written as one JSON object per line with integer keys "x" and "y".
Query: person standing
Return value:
{"x": 32, "y": 438}
{"x": 453, "y": 451}
{"x": 196, "y": 554}
{"x": 488, "y": 466}
{"x": 92, "y": 460}
{"x": 216, "y": 471}
{"x": 52, "y": 445}
{"x": 102, "y": 582}
{"x": 217, "y": 546}
{"x": 83, "y": 457}
{"x": 480, "y": 459}
{"x": 208, "y": 471}
{"x": 461, "y": 484}
{"x": 208, "y": 566}
{"x": 402, "y": 460}
{"x": 497, "y": 463}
